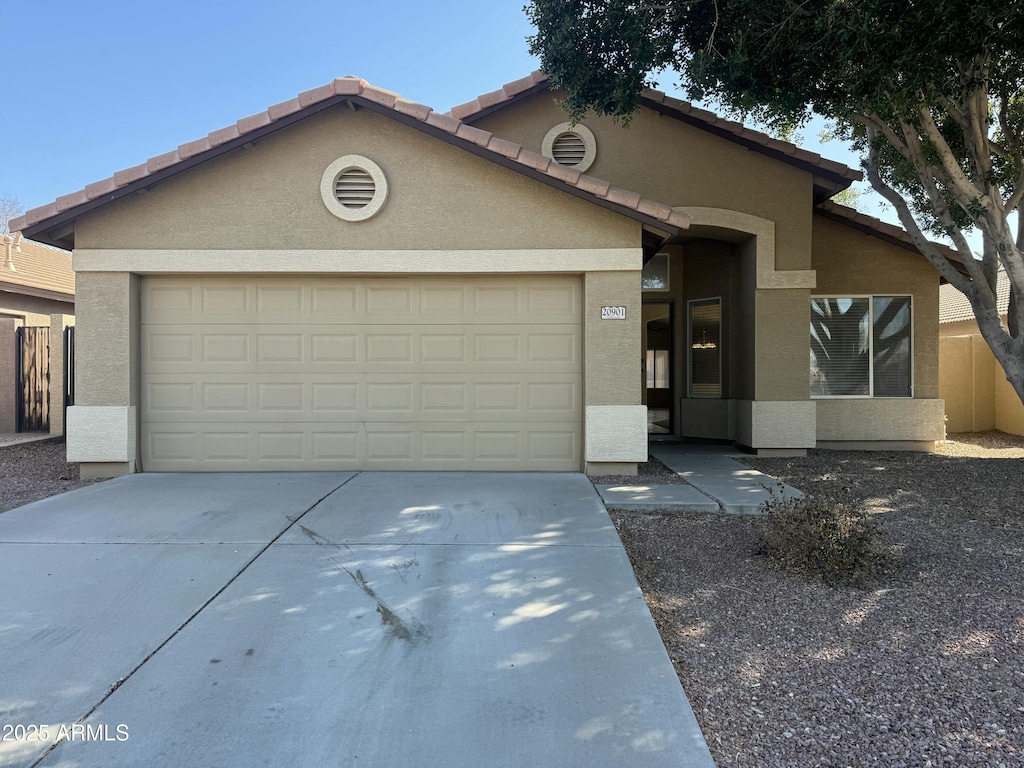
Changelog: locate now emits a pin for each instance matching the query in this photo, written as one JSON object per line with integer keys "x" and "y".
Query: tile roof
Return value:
{"x": 36, "y": 266}
{"x": 444, "y": 126}
{"x": 883, "y": 229}
{"x": 954, "y": 306}
{"x": 783, "y": 150}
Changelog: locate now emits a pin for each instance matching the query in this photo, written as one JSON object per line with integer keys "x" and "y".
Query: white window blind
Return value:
{"x": 861, "y": 346}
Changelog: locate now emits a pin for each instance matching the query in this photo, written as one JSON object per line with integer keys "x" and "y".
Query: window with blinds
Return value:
{"x": 861, "y": 346}
{"x": 705, "y": 348}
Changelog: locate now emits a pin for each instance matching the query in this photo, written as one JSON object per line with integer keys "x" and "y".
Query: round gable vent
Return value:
{"x": 570, "y": 145}
{"x": 568, "y": 149}
{"x": 353, "y": 188}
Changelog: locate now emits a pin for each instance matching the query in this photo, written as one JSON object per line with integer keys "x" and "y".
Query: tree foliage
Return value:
{"x": 930, "y": 91}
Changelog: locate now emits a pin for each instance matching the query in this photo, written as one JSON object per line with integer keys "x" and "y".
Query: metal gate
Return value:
{"x": 69, "y": 366}
{"x": 33, "y": 377}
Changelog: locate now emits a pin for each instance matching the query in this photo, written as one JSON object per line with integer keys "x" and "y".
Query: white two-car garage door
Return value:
{"x": 289, "y": 373}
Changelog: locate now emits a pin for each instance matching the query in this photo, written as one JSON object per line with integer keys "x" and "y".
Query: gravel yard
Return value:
{"x": 925, "y": 669}
{"x": 33, "y": 471}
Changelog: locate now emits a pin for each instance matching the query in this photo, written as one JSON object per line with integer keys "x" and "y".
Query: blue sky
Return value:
{"x": 93, "y": 87}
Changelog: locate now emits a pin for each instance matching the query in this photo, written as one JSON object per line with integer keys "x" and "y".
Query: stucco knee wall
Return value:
{"x": 879, "y": 420}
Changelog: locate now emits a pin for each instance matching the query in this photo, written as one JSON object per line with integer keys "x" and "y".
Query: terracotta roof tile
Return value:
{"x": 223, "y": 135}
{"x": 678, "y": 219}
{"x": 955, "y": 306}
{"x": 653, "y": 209}
{"x": 534, "y": 160}
{"x": 623, "y": 197}
{"x": 196, "y": 147}
{"x": 501, "y": 149}
{"x": 70, "y": 201}
{"x": 37, "y": 266}
{"x": 100, "y": 188}
{"x": 504, "y": 147}
{"x": 444, "y": 122}
{"x": 160, "y": 162}
{"x": 477, "y": 136}
{"x": 348, "y": 86}
{"x": 252, "y": 122}
{"x": 523, "y": 84}
{"x": 379, "y": 95}
{"x": 597, "y": 187}
{"x": 564, "y": 173}
{"x": 128, "y": 175}
{"x": 490, "y": 99}
{"x": 505, "y": 93}
{"x": 284, "y": 109}
{"x": 470, "y": 109}
{"x": 411, "y": 108}
{"x": 315, "y": 95}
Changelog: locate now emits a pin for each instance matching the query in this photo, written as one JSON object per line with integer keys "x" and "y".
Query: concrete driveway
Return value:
{"x": 321, "y": 619}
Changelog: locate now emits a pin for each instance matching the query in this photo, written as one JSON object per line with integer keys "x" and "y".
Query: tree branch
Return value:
{"x": 923, "y": 244}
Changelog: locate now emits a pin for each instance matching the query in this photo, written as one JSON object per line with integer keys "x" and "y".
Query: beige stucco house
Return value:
{"x": 352, "y": 280}
{"x": 971, "y": 382}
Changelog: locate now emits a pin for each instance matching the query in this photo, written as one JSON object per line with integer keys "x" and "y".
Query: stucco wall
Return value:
{"x": 974, "y": 387}
{"x": 268, "y": 197}
{"x": 851, "y": 262}
{"x": 680, "y": 165}
{"x": 611, "y": 347}
{"x": 106, "y": 339}
{"x": 8, "y": 374}
{"x": 32, "y": 308}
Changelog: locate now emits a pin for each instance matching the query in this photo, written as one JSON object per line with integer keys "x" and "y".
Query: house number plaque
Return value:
{"x": 613, "y": 313}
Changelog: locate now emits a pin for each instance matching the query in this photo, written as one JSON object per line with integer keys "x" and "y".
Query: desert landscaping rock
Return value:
{"x": 923, "y": 670}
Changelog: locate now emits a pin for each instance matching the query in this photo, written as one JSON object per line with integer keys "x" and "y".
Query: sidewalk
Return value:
{"x": 13, "y": 438}
{"x": 717, "y": 483}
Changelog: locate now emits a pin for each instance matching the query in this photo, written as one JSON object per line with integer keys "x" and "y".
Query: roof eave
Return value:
{"x": 871, "y": 226}
{"x": 58, "y": 229}
{"x": 39, "y": 293}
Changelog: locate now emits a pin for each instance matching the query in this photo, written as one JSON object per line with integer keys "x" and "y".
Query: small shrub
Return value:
{"x": 833, "y": 540}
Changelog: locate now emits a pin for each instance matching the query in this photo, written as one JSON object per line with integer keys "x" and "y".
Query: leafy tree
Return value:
{"x": 930, "y": 91}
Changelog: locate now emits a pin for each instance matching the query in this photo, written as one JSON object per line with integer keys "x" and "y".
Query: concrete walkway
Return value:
{"x": 718, "y": 483}
{"x": 14, "y": 438}
{"x": 314, "y": 619}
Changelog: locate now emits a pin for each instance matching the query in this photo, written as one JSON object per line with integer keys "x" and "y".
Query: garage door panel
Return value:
{"x": 555, "y": 348}
{"x": 229, "y": 447}
{"x": 360, "y": 397}
{"x": 297, "y": 300}
{"x": 343, "y": 373}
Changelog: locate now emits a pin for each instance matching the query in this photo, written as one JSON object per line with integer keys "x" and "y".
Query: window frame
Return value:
{"x": 871, "y": 345}
{"x": 668, "y": 274}
{"x": 689, "y": 347}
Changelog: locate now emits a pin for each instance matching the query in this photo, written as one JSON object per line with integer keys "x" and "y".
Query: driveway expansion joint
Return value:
{"x": 121, "y": 681}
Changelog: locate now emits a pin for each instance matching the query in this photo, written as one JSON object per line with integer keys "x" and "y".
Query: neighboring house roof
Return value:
{"x": 38, "y": 270}
{"x": 53, "y": 222}
{"x": 955, "y": 307}
{"x": 830, "y": 176}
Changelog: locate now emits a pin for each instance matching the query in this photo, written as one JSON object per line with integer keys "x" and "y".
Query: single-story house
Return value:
{"x": 351, "y": 280}
{"x": 971, "y": 382}
{"x": 37, "y": 290}
{"x": 36, "y": 281}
